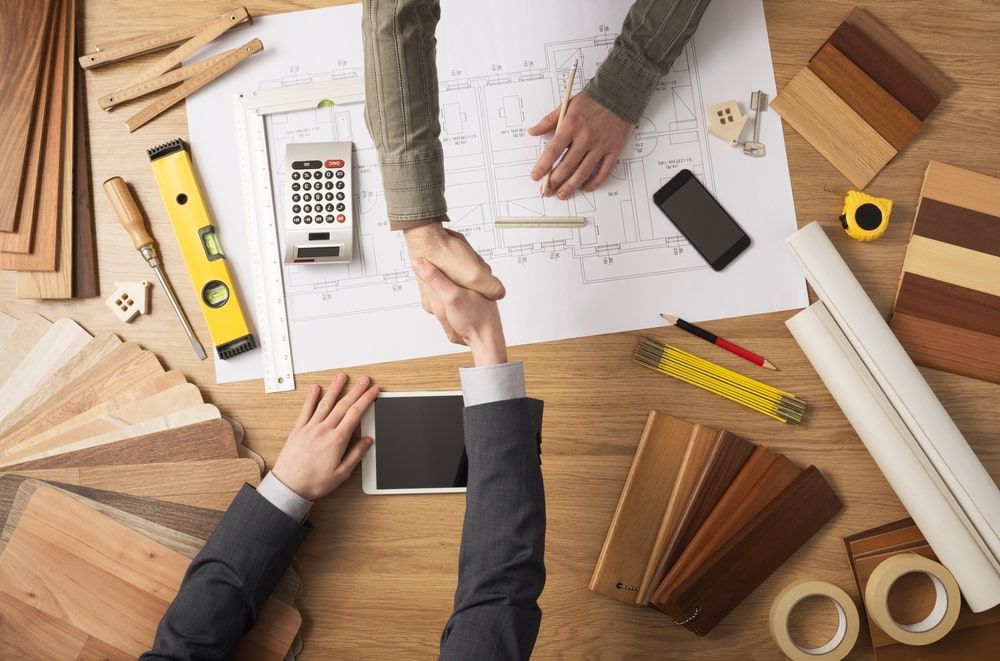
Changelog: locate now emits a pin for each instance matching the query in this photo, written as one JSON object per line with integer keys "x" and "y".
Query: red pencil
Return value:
{"x": 718, "y": 341}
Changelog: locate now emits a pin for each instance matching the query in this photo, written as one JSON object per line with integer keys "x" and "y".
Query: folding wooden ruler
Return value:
{"x": 252, "y": 109}
{"x": 164, "y": 72}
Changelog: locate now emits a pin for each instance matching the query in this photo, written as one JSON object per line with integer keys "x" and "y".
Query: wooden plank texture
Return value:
{"x": 962, "y": 227}
{"x": 962, "y": 188}
{"x": 885, "y": 70}
{"x": 959, "y": 266}
{"x": 949, "y": 348}
{"x": 22, "y": 37}
{"x": 109, "y": 580}
{"x": 29, "y": 331}
{"x": 85, "y": 276}
{"x": 876, "y": 106}
{"x": 949, "y": 304}
{"x": 63, "y": 340}
{"x": 834, "y": 129}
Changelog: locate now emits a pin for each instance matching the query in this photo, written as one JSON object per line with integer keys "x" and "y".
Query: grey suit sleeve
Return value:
{"x": 229, "y": 580}
{"x": 501, "y": 571}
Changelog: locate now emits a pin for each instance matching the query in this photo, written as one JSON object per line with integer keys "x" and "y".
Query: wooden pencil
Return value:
{"x": 570, "y": 77}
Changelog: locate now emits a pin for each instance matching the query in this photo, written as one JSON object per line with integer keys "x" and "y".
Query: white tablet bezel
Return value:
{"x": 368, "y": 463}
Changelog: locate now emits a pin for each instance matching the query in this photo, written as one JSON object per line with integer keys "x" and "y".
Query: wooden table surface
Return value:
{"x": 378, "y": 574}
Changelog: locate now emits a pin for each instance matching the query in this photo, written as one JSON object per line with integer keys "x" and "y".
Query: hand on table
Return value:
{"x": 458, "y": 260}
{"x": 320, "y": 453}
{"x": 473, "y": 318}
{"x": 593, "y": 138}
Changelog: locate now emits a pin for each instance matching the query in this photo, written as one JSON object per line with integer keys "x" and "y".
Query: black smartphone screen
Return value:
{"x": 701, "y": 219}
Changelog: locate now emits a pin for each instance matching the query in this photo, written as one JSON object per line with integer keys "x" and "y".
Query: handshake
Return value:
{"x": 458, "y": 287}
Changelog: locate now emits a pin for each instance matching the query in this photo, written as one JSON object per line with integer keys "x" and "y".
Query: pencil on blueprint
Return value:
{"x": 562, "y": 113}
{"x": 718, "y": 341}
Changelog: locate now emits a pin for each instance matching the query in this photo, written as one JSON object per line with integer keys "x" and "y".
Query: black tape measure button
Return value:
{"x": 868, "y": 216}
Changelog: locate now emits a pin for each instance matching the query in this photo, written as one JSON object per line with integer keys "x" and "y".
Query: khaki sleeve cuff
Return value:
{"x": 623, "y": 87}
{"x": 414, "y": 189}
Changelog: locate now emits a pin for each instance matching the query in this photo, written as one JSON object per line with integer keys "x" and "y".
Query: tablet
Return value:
{"x": 419, "y": 444}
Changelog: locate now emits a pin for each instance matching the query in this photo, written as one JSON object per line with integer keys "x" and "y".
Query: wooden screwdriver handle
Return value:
{"x": 128, "y": 212}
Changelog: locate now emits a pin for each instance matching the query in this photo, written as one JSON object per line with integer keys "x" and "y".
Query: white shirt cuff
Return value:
{"x": 492, "y": 383}
{"x": 286, "y": 500}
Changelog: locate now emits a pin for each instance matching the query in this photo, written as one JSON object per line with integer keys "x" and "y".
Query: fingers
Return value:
{"x": 348, "y": 400}
{"x": 488, "y": 285}
{"x": 546, "y": 124}
{"x": 552, "y": 152}
{"x": 439, "y": 283}
{"x": 308, "y": 406}
{"x": 352, "y": 414}
{"x": 330, "y": 398}
{"x": 603, "y": 172}
{"x": 352, "y": 456}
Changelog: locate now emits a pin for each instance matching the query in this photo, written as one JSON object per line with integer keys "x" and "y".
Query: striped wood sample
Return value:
{"x": 947, "y": 310}
{"x": 110, "y": 581}
{"x": 833, "y": 128}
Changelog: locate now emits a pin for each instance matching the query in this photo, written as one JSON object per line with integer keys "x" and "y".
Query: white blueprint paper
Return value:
{"x": 501, "y": 67}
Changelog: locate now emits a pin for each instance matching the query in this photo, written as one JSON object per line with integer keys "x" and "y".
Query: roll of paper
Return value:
{"x": 915, "y": 443}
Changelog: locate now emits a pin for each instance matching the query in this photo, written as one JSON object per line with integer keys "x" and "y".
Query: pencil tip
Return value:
{"x": 669, "y": 318}
{"x": 769, "y": 365}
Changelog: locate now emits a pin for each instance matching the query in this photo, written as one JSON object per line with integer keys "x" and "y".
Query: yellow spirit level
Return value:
{"x": 202, "y": 251}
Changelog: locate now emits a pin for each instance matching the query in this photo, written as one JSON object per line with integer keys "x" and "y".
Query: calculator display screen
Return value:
{"x": 319, "y": 251}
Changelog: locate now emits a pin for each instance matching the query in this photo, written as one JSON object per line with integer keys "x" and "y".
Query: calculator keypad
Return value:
{"x": 316, "y": 175}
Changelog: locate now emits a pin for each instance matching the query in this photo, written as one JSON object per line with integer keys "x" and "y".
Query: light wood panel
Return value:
{"x": 967, "y": 188}
{"x": 64, "y": 340}
{"x": 28, "y": 332}
{"x": 7, "y": 324}
{"x": 379, "y": 573}
{"x": 959, "y": 266}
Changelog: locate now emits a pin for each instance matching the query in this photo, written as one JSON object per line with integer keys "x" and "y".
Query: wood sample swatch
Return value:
{"x": 833, "y": 128}
{"x": 947, "y": 309}
{"x": 974, "y": 635}
{"x": 26, "y": 334}
{"x": 884, "y": 70}
{"x": 212, "y": 439}
{"x": 7, "y": 325}
{"x": 110, "y": 581}
{"x": 63, "y": 340}
{"x": 85, "y": 271}
{"x": 23, "y": 28}
{"x": 921, "y": 69}
{"x": 880, "y": 109}
{"x": 57, "y": 282}
{"x": 713, "y": 589}
{"x": 212, "y": 484}
{"x": 632, "y": 532}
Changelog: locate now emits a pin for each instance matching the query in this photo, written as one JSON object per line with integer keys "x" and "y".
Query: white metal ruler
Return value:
{"x": 251, "y": 109}
{"x": 539, "y": 221}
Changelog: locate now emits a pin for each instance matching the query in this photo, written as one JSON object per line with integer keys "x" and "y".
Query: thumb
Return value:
{"x": 546, "y": 125}
{"x": 434, "y": 278}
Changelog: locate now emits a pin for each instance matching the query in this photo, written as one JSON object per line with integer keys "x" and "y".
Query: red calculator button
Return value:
{"x": 334, "y": 163}
{"x": 341, "y": 217}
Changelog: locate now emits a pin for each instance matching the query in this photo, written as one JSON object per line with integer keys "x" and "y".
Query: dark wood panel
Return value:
{"x": 936, "y": 300}
{"x": 876, "y": 106}
{"x": 85, "y": 282}
{"x": 947, "y": 348}
{"x": 884, "y": 70}
{"x": 962, "y": 227}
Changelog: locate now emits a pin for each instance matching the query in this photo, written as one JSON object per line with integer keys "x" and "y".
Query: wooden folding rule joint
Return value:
{"x": 166, "y": 71}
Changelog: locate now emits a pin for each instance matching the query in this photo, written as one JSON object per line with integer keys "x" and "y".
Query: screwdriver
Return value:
{"x": 132, "y": 220}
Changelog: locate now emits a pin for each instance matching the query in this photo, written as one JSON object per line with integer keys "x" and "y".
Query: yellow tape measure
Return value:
{"x": 200, "y": 246}
{"x": 864, "y": 217}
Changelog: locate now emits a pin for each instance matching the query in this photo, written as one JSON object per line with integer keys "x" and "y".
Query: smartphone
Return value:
{"x": 701, "y": 219}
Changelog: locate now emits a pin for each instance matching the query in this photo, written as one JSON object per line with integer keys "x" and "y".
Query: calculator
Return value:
{"x": 319, "y": 214}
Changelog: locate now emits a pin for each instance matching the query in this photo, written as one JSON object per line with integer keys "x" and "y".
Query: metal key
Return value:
{"x": 758, "y": 103}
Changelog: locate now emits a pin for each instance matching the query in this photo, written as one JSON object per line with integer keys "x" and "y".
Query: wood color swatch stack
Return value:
{"x": 974, "y": 635}
{"x": 113, "y": 474}
{"x": 862, "y": 97}
{"x": 703, "y": 519}
{"x": 947, "y": 311}
{"x": 46, "y": 219}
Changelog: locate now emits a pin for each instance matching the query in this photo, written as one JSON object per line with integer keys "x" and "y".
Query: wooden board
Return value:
{"x": 945, "y": 347}
{"x": 212, "y": 439}
{"x": 876, "y": 106}
{"x": 58, "y": 281}
{"x": 29, "y": 331}
{"x": 110, "y": 581}
{"x": 962, "y": 188}
{"x": 833, "y": 128}
{"x": 60, "y": 344}
{"x": 899, "y": 50}
{"x": 212, "y": 484}
{"x": 7, "y": 325}
{"x": 85, "y": 276}
{"x": 23, "y": 27}
{"x": 45, "y": 241}
{"x": 939, "y": 301}
{"x": 200, "y": 413}
{"x": 889, "y": 74}
{"x": 959, "y": 266}
{"x": 632, "y": 531}
{"x": 957, "y": 225}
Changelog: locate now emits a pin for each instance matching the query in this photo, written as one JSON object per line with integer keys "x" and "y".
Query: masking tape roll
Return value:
{"x": 947, "y": 601}
{"x": 848, "y": 621}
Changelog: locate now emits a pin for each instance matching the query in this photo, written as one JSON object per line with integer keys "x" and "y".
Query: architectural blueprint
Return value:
{"x": 499, "y": 74}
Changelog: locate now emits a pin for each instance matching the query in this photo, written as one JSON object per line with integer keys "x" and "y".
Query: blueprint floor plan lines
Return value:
{"x": 496, "y": 81}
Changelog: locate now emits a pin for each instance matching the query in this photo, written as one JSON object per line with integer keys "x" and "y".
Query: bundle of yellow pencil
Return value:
{"x": 669, "y": 360}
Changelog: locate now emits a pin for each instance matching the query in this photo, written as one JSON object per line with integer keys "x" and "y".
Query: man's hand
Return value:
{"x": 474, "y": 319}
{"x": 594, "y": 137}
{"x": 319, "y": 453}
{"x": 459, "y": 261}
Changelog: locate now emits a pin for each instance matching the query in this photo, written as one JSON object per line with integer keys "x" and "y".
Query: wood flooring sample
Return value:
{"x": 26, "y": 334}
{"x": 109, "y": 581}
{"x": 632, "y": 532}
{"x": 833, "y": 128}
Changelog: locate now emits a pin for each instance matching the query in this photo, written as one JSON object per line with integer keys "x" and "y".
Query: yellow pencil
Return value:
{"x": 562, "y": 113}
